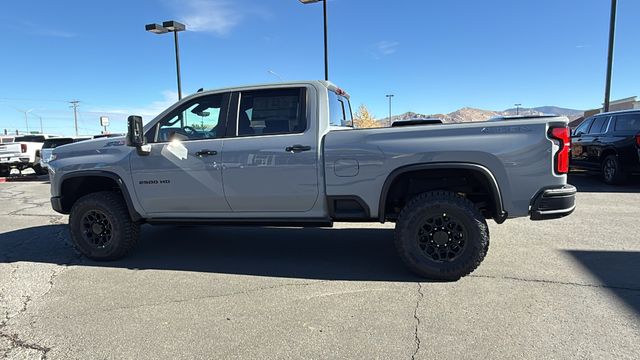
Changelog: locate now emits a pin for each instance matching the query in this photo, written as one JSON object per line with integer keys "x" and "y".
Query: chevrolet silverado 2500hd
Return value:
{"x": 287, "y": 155}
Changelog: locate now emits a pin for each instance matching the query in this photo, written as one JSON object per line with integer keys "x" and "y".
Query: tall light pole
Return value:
{"x": 26, "y": 118}
{"x": 518, "y": 108}
{"x": 389, "y": 96}
{"x": 174, "y": 27}
{"x": 74, "y": 105}
{"x": 612, "y": 30}
{"x": 326, "y": 52}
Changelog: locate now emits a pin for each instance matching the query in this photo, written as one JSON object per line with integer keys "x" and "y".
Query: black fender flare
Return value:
{"x": 501, "y": 214}
{"x": 135, "y": 216}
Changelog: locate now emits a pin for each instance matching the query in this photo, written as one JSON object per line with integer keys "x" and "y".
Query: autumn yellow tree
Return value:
{"x": 363, "y": 118}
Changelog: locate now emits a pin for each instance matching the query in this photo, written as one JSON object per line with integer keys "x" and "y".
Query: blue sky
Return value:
{"x": 435, "y": 56}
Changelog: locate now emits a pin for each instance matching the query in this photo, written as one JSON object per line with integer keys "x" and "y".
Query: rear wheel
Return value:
{"x": 101, "y": 228}
{"x": 612, "y": 172}
{"x": 441, "y": 235}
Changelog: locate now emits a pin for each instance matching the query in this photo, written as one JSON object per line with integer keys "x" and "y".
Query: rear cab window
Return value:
{"x": 53, "y": 143}
{"x": 30, "y": 138}
{"x": 339, "y": 111}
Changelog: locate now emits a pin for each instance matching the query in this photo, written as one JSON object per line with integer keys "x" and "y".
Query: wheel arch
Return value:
{"x": 481, "y": 172}
{"x": 606, "y": 152}
{"x": 79, "y": 183}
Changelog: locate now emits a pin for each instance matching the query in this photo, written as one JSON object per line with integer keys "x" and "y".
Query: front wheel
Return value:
{"x": 441, "y": 236}
{"x": 101, "y": 228}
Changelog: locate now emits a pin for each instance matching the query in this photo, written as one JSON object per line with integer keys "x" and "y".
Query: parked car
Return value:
{"x": 289, "y": 156}
{"x": 608, "y": 143}
{"x": 22, "y": 153}
{"x": 50, "y": 144}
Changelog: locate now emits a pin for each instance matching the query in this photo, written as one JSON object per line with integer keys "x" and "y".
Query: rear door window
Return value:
{"x": 272, "y": 112}
{"x": 628, "y": 122}
{"x": 599, "y": 125}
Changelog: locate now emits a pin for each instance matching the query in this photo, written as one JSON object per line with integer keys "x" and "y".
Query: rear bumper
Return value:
{"x": 553, "y": 203}
{"x": 13, "y": 159}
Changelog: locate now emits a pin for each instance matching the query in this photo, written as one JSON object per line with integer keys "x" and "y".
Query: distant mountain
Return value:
{"x": 547, "y": 110}
{"x": 468, "y": 114}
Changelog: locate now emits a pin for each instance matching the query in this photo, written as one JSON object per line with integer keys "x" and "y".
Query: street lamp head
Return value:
{"x": 173, "y": 26}
{"x": 310, "y": 1}
{"x": 156, "y": 28}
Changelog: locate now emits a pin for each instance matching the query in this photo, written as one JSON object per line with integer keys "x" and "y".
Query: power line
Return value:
{"x": 74, "y": 105}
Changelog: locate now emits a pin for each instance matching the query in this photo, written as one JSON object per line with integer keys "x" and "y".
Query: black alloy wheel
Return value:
{"x": 442, "y": 237}
{"x": 96, "y": 229}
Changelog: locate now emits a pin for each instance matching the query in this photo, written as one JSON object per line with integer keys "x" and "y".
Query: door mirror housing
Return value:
{"x": 135, "y": 135}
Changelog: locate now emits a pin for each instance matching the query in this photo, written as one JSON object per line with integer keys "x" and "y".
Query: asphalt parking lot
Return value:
{"x": 567, "y": 288}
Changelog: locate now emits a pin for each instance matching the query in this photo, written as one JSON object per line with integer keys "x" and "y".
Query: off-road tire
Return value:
{"x": 410, "y": 225}
{"x": 110, "y": 208}
{"x": 612, "y": 171}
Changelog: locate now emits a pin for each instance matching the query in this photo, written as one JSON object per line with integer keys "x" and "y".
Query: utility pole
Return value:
{"x": 612, "y": 30}
{"x": 74, "y": 105}
{"x": 518, "y": 109}
{"x": 389, "y": 96}
{"x": 41, "y": 130}
{"x": 26, "y": 120}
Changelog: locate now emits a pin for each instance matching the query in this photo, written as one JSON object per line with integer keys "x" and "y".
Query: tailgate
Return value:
{"x": 9, "y": 149}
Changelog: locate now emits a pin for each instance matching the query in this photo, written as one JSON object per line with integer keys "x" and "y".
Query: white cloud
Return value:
{"x": 149, "y": 111}
{"x": 35, "y": 29}
{"x": 385, "y": 47}
{"x": 212, "y": 16}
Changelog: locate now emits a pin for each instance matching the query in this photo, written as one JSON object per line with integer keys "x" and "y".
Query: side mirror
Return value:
{"x": 135, "y": 135}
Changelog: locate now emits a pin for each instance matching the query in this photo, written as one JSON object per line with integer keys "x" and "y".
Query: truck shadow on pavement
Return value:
{"x": 312, "y": 253}
{"x": 586, "y": 182}
{"x": 618, "y": 271}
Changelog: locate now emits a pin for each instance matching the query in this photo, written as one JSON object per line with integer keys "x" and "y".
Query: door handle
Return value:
{"x": 297, "y": 148}
{"x": 205, "y": 152}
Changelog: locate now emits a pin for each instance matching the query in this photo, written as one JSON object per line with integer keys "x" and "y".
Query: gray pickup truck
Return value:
{"x": 288, "y": 155}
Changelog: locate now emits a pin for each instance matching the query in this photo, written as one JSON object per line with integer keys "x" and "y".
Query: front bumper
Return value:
{"x": 56, "y": 204}
{"x": 553, "y": 203}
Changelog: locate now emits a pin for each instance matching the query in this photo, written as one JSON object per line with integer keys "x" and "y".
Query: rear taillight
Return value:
{"x": 561, "y": 159}
{"x": 638, "y": 139}
{"x": 23, "y": 148}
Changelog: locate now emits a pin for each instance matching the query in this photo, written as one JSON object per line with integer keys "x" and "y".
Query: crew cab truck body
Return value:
{"x": 286, "y": 155}
{"x": 22, "y": 153}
